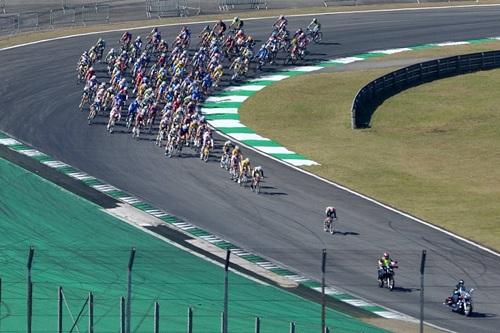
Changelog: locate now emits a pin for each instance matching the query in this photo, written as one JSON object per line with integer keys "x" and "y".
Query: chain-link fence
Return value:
{"x": 45, "y": 295}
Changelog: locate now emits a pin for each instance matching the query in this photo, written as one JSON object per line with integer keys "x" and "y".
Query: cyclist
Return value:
{"x": 331, "y": 213}
{"x": 281, "y": 22}
{"x": 257, "y": 175}
{"x": 244, "y": 169}
{"x": 314, "y": 26}
{"x": 219, "y": 28}
{"x": 237, "y": 24}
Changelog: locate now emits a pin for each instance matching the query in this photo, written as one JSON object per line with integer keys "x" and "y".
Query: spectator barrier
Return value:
{"x": 226, "y": 5}
{"x": 377, "y": 91}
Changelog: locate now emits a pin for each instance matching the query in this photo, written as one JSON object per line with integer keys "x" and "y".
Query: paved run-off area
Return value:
{"x": 82, "y": 248}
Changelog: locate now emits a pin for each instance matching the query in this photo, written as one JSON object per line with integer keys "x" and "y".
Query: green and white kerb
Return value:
{"x": 221, "y": 109}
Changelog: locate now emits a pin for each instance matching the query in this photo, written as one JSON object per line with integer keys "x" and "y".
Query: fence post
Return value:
{"x": 0, "y": 304}
{"x": 157, "y": 318}
{"x": 226, "y": 291}
{"x": 129, "y": 287}
{"x": 59, "y": 310}
{"x": 422, "y": 270}
{"x": 323, "y": 300}
{"x": 257, "y": 325}
{"x": 122, "y": 314}
{"x": 91, "y": 312}
{"x": 190, "y": 320}
{"x": 292, "y": 327}
{"x": 29, "y": 288}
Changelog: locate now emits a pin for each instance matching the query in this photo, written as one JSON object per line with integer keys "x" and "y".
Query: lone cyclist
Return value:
{"x": 314, "y": 26}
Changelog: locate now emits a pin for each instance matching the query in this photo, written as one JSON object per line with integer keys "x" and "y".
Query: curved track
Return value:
{"x": 38, "y": 104}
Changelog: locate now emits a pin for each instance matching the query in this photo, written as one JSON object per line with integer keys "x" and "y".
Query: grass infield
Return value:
{"x": 431, "y": 151}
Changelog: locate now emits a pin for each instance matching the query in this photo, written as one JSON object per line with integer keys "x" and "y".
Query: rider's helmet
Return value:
{"x": 386, "y": 255}
{"x": 315, "y": 20}
{"x": 237, "y": 148}
{"x": 282, "y": 17}
{"x": 299, "y": 31}
{"x": 247, "y": 160}
{"x": 227, "y": 143}
{"x": 236, "y": 18}
{"x": 460, "y": 283}
{"x": 138, "y": 38}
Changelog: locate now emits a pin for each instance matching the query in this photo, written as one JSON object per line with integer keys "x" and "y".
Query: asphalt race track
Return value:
{"x": 39, "y": 99}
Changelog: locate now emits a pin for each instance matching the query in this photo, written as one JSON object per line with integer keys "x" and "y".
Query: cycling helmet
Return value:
{"x": 237, "y": 148}
{"x": 460, "y": 283}
{"x": 282, "y": 17}
{"x": 247, "y": 160}
{"x": 227, "y": 143}
{"x": 386, "y": 255}
{"x": 315, "y": 20}
{"x": 138, "y": 38}
{"x": 236, "y": 18}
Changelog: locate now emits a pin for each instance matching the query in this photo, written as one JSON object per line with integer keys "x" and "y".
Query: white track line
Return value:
{"x": 368, "y": 11}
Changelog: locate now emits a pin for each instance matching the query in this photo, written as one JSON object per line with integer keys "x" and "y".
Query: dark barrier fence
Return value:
{"x": 377, "y": 91}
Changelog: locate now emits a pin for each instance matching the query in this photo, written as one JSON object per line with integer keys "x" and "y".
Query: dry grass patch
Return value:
{"x": 432, "y": 150}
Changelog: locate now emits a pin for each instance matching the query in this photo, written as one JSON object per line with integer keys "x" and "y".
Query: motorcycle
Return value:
{"x": 386, "y": 276}
{"x": 463, "y": 304}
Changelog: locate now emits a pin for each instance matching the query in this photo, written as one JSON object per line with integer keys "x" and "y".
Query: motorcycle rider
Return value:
{"x": 459, "y": 289}
{"x": 384, "y": 263}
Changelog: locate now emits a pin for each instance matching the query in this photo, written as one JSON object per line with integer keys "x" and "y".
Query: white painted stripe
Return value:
{"x": 31, "y": 152}
{"x": 356, "y": 302}
{"x": 248, "y": 87}
{"x": 219, "y": 110}
{"x": 297, "y": 162}
{"x": 304, "y": 68}
{"x": 225, "y": 123}
{"x": 451, "y": 43}
{"x": 221, "y": 99}
{"x": 297, "y": 278}
{"x": 274, "y": 150}
{"x": 105, "y": 188}
{"x": 267, "y": 265}
{"x": 248, "y": 136}
{"x": 184, "y": 226}
{"x": 153, "y": 211}
{"x": 346, "y": 60}
{"x": 244, "y": 254}
{"x": 275, "y": 77}
{"x": 130, "y": 200}
{"x": 9, "y": 142}
{"x": 80, "y": 175}
{"x": 392, "y": 51}
{"x": 329, "y": 290}
{"x": 55, "y": 164}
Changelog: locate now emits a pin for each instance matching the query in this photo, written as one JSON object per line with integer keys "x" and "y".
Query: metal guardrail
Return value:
{"x": 226, "y": 5}
{"x": 377, "y": 91}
